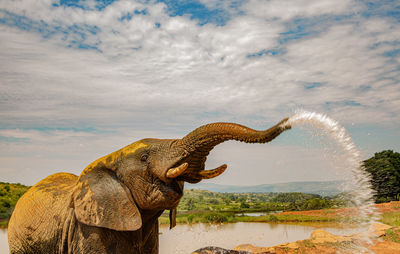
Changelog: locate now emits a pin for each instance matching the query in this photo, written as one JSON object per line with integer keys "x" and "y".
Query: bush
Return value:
{"x": 190, "y": 218}
{"x": 244, "y": 205}
{"x": 216, "y": 217}
{"x": 213, "y": 201}
{"x": 273, "y": 218}
{"x": 6, "y": 204}
{"x": 9, "y": 195}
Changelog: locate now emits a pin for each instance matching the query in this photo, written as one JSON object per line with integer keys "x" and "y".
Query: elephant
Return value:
{"x": 114, "y": 205}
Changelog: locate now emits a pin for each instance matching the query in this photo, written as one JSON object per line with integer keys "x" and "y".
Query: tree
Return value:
{"x": 214, "y": 201}
{"x": 243, "y": 204}
{"x": 384, "y": 168}
{"x": 227, "y": 201}
{"x": 293, "y": 197}
{"x": 190, "y": 204}
{"x": 232, "y": 197}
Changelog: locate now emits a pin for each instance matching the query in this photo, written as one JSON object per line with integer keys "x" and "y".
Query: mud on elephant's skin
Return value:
{"x": 114, "y": 205}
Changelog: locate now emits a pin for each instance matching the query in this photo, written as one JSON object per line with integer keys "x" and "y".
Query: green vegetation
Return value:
{"x": 210, "y": 207}
{"x": 393, "y": 235}
{"x": 222, "y": 217}
{"x": 204, "y": 201}
{"x": 306, "y": 243}
{"x": 9, "y": 195}
{"x": 391, "y": 218}
{"x": 301, "y": 201}
{"x": 384, "y": 168}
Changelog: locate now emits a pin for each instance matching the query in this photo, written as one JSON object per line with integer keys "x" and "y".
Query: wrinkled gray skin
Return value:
{"x": 114, "y": 205}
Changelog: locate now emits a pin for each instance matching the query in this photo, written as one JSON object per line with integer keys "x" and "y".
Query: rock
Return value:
{"x": 253, "y": 249}
{"x": 379, "y": 229}
{"x": 322, "y": 236}
{"x": 217, "y": 250}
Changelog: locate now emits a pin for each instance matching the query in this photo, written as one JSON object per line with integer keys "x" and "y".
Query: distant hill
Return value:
{"x": 323, "y": 188}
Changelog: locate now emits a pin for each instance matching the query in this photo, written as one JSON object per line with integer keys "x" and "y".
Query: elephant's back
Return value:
{"x": 52, "y": 190}
{"x": 40, "y": 213}
{"x": 53, "y": 186}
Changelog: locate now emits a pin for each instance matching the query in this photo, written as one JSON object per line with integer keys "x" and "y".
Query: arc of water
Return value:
{"x": 361, "y": 179}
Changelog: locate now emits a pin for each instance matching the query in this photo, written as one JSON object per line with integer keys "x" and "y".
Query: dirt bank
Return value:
{"x": 384, "y": 242}
{"x": 393, "y": 206}
{"x": 385, "y": 238}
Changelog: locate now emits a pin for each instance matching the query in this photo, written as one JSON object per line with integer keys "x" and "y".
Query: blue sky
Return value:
{"x": 81, "y": 79}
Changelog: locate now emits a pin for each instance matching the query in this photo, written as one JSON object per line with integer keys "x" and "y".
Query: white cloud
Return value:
{"x": 286, "y": 9}
{"x": 167, "y": 80}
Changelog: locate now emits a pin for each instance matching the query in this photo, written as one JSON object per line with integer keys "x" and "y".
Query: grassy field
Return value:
{"x": 224, "y": 217}
{"x": 391, "y": 218}
{"x": 390, "y": 214}
{"x": 202, "y": 200}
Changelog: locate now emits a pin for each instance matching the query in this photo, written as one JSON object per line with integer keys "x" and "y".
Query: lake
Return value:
{"x": 186, "y": 238}
{"x": 3, "y": 241}
{"x": 255, "y": 214}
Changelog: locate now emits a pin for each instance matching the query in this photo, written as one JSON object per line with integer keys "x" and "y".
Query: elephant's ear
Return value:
{"x": 101, "y": 200}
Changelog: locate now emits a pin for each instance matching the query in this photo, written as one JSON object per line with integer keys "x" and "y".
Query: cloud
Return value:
{"x": 134, "y": 69}
{"x": 286, "y": 10}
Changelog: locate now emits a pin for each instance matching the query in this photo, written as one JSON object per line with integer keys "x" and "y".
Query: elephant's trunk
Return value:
{"x": 202, "y": 140}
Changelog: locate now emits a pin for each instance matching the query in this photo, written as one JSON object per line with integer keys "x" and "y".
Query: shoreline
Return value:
{"x": 390, "y": 214}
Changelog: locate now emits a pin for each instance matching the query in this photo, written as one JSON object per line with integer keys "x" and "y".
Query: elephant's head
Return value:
{"x": 148, "y": 175}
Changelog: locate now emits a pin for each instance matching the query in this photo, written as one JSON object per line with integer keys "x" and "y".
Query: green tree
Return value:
{"x": 6, "y": 203}
{"x": 227, "y": 201}
{"x": 241, "y": 199}
{"x": 243, "y": 204}
{"x": 232, "y": 197}
{"x": 384, "y": 168}
{"x": 214, "y": 201}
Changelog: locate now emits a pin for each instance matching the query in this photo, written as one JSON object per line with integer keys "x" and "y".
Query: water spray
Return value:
{"x": 362, "y": 192}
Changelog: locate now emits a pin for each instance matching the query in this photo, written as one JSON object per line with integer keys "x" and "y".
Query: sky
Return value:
{"x": 81, "y": 79}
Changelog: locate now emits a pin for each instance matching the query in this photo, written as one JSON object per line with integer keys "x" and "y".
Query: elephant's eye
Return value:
{"x": 144, "y": 157}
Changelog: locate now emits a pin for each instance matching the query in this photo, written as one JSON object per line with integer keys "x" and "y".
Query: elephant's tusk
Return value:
{"x": 208, "y": 174}
{"x": 175, "y": 172}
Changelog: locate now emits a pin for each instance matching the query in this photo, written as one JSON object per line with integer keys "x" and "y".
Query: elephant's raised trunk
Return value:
{"x": 202, "y": 140}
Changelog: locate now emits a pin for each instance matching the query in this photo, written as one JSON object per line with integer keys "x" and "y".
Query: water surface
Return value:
{"x": 184, "y": 239}
{"x": 256, "y": 214}
{"x": 3, "y": 241}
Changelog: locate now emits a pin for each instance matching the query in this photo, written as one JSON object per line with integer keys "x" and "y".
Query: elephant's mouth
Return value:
{"x": 174, "y": 186}
{"x": 192, "y": 171}
{"x": 155, "y": 193}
